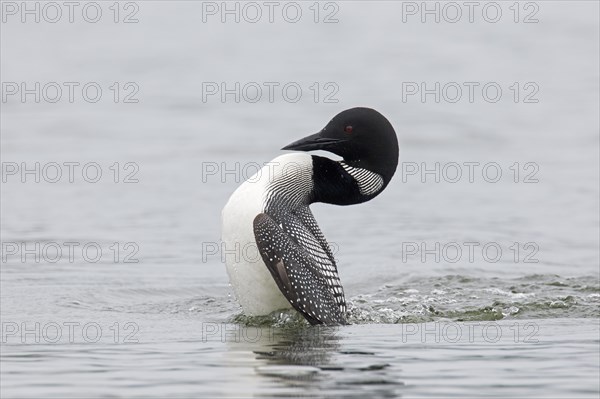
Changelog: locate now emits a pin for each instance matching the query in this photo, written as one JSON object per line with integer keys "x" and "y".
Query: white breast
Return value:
{"x": 254, "y": 287}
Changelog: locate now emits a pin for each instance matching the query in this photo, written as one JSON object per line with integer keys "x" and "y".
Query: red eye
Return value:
{"x": 348, "y": 129}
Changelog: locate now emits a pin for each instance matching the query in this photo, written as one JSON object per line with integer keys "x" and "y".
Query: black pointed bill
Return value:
{"x": 313, "y": 142}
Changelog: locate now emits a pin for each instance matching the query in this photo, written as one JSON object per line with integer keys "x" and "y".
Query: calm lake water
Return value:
{"x": 476, "y": 273}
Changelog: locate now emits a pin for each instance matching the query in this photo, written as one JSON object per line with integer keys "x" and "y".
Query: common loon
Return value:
{"x": 294, "y": 265}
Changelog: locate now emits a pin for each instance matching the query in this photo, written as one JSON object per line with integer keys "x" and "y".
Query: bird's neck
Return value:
{"x": 288, "y": 182}
{"x": 299, "y": 179}
{"x": 337, "y": 182}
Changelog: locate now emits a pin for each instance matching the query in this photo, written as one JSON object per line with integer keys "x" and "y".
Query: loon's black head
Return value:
{"x": 362, "y": 136}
